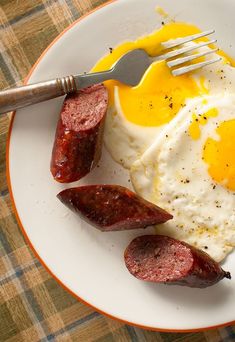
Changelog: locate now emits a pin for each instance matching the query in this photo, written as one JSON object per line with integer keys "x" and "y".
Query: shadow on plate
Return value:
{"x": 186, "y": 297}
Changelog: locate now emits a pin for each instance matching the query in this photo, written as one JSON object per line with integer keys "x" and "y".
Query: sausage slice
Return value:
{"x": 78, "y": 138}
{"x": 161, "y": 259}
{"x": 112, "y": 207}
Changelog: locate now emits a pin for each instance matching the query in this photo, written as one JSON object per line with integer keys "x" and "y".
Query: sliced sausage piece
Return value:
{"x": 112, "y": 207}
{"x": 78, "y": 138}
{"x": 161, "y": 259}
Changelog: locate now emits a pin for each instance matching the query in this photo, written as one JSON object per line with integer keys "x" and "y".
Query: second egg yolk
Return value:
{"x": 220, "y": 155}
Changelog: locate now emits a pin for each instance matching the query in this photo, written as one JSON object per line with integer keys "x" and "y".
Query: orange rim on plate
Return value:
{"x": 24, "y": 231}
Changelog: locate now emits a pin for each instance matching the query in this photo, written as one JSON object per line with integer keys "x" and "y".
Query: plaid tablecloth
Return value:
{"x": 33, "y": 307}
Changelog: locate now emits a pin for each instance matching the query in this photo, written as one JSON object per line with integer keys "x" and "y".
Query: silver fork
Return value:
{"x": 129, "y": 70}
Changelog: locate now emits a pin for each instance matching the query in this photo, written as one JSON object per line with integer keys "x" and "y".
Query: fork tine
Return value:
{"x": 184, "y": 70}
{"x": 182, "y": 60}
{"x": 184, "y": 50}
{"x": 179, "y": 41}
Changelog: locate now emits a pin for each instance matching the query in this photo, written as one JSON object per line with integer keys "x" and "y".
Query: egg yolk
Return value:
{"x": 220, "y": 155}
{"x": 160, "y": 95}
{"x": 200, "y": 119}
{"x": 158, "y": 98}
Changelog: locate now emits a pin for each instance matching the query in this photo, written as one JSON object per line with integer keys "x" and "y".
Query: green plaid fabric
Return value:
{"x": 33, "y": 307}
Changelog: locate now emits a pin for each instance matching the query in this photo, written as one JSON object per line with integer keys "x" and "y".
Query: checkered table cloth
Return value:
{"x": 33, "y": 306}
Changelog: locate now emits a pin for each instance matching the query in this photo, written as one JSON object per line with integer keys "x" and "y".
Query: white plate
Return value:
{"x": 87, "y": 262}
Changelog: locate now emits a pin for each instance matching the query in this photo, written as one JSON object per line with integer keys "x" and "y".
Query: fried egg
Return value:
{"x": 175, "y": 135}
{"x": 138, "y": 114}
{"x": 190, "y": 171}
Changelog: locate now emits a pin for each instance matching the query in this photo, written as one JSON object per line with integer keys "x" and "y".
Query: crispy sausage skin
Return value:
{"x": 78, "y": 139}
{"x": 112, "y": 207}
{"x": 161, "y": 259}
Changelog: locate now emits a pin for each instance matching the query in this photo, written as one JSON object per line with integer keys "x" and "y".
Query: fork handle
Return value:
{"x": 15, "y": 98}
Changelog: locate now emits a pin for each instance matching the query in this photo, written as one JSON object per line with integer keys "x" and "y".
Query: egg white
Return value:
{"x": 172, "y": 174}
{"x": 126, "y": 141}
